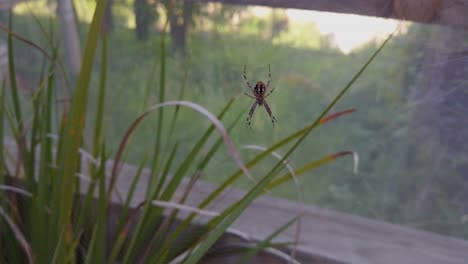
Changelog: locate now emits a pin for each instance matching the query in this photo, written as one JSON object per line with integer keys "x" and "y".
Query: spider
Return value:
{"x": 260, "y": 93}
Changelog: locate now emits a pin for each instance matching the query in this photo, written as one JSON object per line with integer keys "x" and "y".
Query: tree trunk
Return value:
{"x": 144, "y": 16}
{"x": 178, "y": 31}
{"x": 179, "y": 23}
{"x": 108, "y": 22}
{"x": 71, "y": 37}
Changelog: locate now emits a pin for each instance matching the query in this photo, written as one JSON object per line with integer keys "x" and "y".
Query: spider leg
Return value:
{"x": 273, "y": 119}
{"x": 269, "y": 76}
{"x": 250, "y": 95}
{"x": 245, "y": 77}
{"x": 251, "y": 112}
{"x": 269, "y": 92}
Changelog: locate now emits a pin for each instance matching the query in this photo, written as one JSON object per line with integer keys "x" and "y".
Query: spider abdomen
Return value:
{"x": 259, "y": 89}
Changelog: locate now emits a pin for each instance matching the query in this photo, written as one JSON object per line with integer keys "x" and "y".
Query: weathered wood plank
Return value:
{"x": 326, "y": 234}
{"x": 447, "y": 12}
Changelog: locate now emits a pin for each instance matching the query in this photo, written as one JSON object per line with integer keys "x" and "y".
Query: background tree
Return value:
{"x": 180, "y": 19}
{"x": 108, "y": 23}
{"x": 145, "y": 16}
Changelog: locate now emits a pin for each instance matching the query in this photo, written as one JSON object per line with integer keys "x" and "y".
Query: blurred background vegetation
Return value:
{"x": 400, "y": 179}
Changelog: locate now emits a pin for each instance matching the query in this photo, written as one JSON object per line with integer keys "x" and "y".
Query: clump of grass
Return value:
{"x": 55, "y": 217}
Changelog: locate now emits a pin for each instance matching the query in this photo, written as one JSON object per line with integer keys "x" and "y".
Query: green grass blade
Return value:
{"x": 160, "y": 182}
{"x": 2, "y": 158}
{"x": 72, "y": 136}
{"x": 45, "y": 173}
{"x": 266, "y": 243}
{"x": 13, "y": 85}
{"x": 50, "y": 42}
{"x": 166, "y": 169}
{"x": 118, "y": 156}
{"x": 179, "y": 97}
{"x": 98, "y": 133}
{"x": 19, "y": 127}
{"x": 97, "y": 245}
{"x": 149, "y": 86}
{"x": 309, "y": 166}
{"x": 159, "y": 255}
{"x": 175, "y": 115}
{"x": 99, "y": 121}
{"x": 162, "y": 92}
{"x": 91, "y": 248}
{"x": 219, "y": 142}
{"x": 19, "y": 236}
{"x": 26, "y": 41}
{"x": 30, "y": 172}
{"x": 124, "y": 218}
{"x": 122, "y": 236}
{"x": 2, "y": 133}
{"x": 131, "y": 191}
{"x": 86, "y": 205}
{"x": 35, "y": 233}
{"x": 71, "y": 255}
{"x": 11, "y": 124}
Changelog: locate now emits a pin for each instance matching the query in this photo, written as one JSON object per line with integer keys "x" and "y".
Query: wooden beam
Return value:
{"x": 445, "y": 12}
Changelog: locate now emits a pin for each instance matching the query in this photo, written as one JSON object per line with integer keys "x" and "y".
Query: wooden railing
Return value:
{"x": 326, "y": 236}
